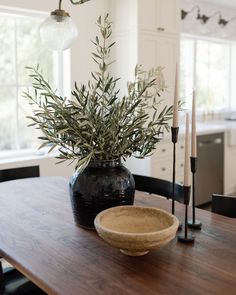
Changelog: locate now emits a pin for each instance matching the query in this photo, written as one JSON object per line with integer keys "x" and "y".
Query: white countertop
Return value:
{"x": 209, "y": 127}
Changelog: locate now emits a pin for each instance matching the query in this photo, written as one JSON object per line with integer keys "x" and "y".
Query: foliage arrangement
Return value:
{"x": 98, "y": 124}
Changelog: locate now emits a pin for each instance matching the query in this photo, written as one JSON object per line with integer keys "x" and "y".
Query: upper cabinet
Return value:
{"x": 159, "y": 16}
{"x": 160, "y": 50}
{"x": 146, "y": 32}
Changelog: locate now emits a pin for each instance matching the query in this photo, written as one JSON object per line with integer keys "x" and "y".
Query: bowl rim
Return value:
{"x": 175, "y": 223}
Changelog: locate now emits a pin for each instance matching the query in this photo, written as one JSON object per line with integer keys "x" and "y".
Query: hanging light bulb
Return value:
{"x": 58, "y": 31}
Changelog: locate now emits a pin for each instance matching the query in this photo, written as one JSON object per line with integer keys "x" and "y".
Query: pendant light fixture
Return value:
{"x": 58, "y": 31}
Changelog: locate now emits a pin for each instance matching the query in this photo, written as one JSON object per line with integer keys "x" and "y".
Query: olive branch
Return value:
{"x": 98, "y": 124}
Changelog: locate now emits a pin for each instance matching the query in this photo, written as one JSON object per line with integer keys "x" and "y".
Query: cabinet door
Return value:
{"x": 160, "y": 51}
{"x": 159, "y": 15}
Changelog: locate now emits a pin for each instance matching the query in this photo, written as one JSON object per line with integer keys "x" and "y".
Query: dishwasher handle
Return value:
{"x": 214, "y": 141}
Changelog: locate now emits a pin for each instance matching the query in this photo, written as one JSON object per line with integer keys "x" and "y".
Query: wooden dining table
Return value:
{"x": 40, "y": 238}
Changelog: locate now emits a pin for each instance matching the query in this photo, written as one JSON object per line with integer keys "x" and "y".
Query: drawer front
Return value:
{"x": 160, "y": 168}
{"x": 180, "y": 148}
{"x": 164, "y": 168}
{"x": 165, "y": 150}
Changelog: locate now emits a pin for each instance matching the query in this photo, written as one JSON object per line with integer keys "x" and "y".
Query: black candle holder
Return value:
{"x": 174, "y": 139}
{"x": 194, "y": 223}
{"x": 186, "y": 237}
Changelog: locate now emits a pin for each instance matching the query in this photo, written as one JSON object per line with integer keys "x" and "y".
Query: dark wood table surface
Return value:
{"x": 39, "y": 237}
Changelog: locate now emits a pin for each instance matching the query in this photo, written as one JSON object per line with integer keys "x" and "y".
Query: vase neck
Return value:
{"x": 105, "y": 163}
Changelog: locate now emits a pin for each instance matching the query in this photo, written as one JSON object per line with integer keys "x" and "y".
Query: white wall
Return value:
{"x": 81, "y": 63}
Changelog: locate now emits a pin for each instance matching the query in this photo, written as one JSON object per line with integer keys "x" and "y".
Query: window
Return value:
{"x": 205, "y": 66}
{"x": 20, "y": 46}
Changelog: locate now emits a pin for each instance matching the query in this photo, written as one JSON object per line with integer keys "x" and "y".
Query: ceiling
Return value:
{"x": 230, "y": 3}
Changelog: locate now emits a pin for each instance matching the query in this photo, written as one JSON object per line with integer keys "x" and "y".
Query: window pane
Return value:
{"x": 219, "y": 74}
{"x": 212, "y": 75}
{"x": 202, "y": 75}
{"x": 211, "y": 61}
{"x": 7, "y": 51}
{"x": 7, "y": 118}
{"x": 186, "y": 70}
{"x": 20, "y": 46}
{"x": 27, "y": 135}
{"x": 219, "y": 54}
{"x": 31, "y": 51}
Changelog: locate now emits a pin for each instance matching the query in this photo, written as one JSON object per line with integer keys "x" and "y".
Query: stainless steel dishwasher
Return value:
{"x": 210, "y": 169}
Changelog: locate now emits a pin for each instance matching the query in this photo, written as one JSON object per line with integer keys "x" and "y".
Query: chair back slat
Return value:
{"x": 224, "y": 205}
{"x": 159, "y": 187}
{"x": 2, "y": 286}
{"x": 18, "y": 173}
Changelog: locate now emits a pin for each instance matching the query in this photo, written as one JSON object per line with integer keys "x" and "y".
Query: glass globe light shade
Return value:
{"x": 202, "y": 28}
{"x": 58, "y": 32}
{"x": 228, "y": 32}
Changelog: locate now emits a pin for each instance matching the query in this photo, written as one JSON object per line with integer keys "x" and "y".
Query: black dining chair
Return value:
{"x": 19, "y": 173}
{"x": 12, "y": 282}
{"x": 224, "y": 205}
{"x": 158, "y": 186}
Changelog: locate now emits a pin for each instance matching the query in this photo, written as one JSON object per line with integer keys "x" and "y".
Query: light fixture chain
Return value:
{"x": 79, "y": 2}
{"x": 60, "y": 4}
{"x": 73, "y": 2}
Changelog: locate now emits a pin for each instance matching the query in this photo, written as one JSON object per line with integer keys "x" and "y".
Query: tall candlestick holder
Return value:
{"x": 186, "y": 237}
{"x": 174, "y": 139}
{"x": 194, "y": 223}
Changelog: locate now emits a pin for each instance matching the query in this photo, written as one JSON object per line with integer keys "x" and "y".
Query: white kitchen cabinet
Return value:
{"x": 159, "y": 16}
{"x": 138, "y": 40}
{"x": 162, "y": 161}
{"x": 146, "y": 33}
{"x": 160, "y": 50}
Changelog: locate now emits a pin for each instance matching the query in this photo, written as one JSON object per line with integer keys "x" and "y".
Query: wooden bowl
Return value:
{"x": 135, "y": 230}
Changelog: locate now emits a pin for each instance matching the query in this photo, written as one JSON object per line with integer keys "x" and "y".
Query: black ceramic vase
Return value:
{"x": 101, "y": 185}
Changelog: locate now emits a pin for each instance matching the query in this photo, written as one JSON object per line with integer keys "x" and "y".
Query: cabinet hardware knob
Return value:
{"x": 181, "y": 165}
{"x": 161, "y": 29}
{"x": 163, "y": 169}
{"x": 163, "y": 150}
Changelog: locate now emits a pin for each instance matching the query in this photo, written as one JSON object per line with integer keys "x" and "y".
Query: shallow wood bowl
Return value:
{"x": 134, "y": 229}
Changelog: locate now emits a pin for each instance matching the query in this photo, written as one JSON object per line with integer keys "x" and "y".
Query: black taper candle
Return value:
{"x": 186, "y": 237}
{"x": 174, "y": 139}
{"x": 196, "y": 224}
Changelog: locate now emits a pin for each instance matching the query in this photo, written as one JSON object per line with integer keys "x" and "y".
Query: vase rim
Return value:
{"x": 105, "y": 163}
